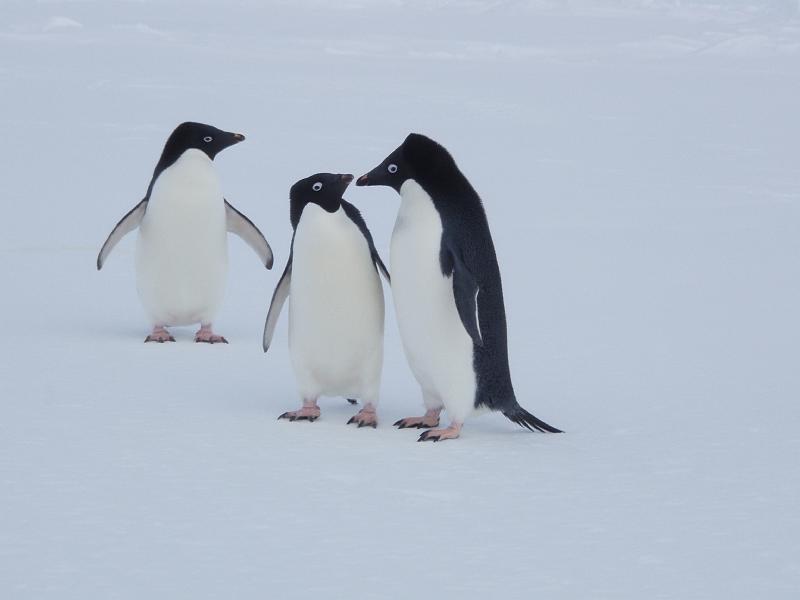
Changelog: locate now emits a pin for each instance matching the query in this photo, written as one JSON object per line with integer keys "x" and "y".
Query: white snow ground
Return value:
{"x": 639, "y": 164}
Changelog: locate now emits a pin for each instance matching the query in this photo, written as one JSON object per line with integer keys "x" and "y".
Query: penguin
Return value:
{"x": 181, "y": 250}
{"x": 336, "y": 307}
{"x": 447, "y": 291}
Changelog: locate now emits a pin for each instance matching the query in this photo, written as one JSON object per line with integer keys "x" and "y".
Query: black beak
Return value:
{"x": 346, "y": 179}
{"x": 377, "y": 176}
{"x": 238, "y": 137}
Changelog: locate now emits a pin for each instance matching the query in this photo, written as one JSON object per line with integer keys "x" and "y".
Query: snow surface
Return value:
{"x": 639, "y": 163}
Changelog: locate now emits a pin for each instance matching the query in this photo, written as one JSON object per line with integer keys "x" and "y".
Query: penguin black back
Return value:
{"x": 465, "y": 230}
{"x": 467, "y": 254}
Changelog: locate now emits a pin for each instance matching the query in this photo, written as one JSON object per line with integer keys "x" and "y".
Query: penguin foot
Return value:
{"x": 430, "y": 419}
{"x": 366, "y": 417}
{"x": 437, "y": 435}
{"x": 207, "y": 336}
{"x": 160, "y": 335}
{"x": 211, "y": 339}
{"x": 307, "y": 413}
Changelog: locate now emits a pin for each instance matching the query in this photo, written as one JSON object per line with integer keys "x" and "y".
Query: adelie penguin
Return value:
{"x": 335, "y": 297}
{"x": 447, "y": 291}
{"x": 182, "y": 249}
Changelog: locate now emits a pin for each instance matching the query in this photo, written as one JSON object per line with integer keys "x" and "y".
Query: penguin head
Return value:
{"x": 206, "y": 138}
{"x": 417, "y": 158}
{"x": 324, "y": 189}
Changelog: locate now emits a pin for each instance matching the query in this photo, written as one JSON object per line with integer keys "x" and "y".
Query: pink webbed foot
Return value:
{"x": 430, "y": 419}
{"x": 160, "y": 335}
{"x": 366, "y": 417}
{"x": 437, "y": 435}
{"x": 206, "y": 335}
{"x": 309, "y": 412}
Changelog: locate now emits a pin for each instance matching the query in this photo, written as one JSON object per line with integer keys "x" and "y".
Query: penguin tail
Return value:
{"x": 523, "y": 418}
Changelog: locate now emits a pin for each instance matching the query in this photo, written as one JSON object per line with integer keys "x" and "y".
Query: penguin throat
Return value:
{"x": 330, "y": 205}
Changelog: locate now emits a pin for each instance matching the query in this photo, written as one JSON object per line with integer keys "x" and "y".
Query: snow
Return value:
{"x": 638, "y": 162}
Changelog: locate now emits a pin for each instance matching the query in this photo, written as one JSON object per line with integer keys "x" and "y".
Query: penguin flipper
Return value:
{"x": 278, "y": 298}
{"x": 126, "y": 224}
{"x": 239, "y": 224}
{"x": 465, "y": 292}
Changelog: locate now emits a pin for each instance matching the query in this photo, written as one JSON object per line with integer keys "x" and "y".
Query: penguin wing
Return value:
{"x": 239, "y": 224}
{"x": 126, "y": 224}
{"x": 465, "y": 291}
{"x": 355, "y": 216}
{"x": 278, "y": 298}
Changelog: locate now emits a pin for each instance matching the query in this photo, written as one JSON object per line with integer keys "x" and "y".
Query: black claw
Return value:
{"x": 291, "y": 417}
{"x": 352, "y": 401}
{"x": 150, "y": 338}
{"x": 361, "y": 424}
{"x": 374, "y": 425}
{"x": 426, "y": 436}
{"x": 351, "y": 420}
{"x": 398, "y": 423}
{"x": 224, "y": 341}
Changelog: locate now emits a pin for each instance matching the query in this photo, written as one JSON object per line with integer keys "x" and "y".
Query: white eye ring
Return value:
{"x": 392, "y": 168}
{"x": 207, "y": 139}
{"x": 316, "y": 187}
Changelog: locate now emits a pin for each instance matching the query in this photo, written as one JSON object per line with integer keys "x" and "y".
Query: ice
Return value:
{"x": 638, "y": 161}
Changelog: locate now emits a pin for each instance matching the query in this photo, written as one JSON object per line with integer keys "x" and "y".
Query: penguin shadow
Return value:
{"x": 494, "y": 428}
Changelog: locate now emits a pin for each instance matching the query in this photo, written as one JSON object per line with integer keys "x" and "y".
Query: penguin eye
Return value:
{"x": 392, "y": 168}
{"x": 316, "y": 187}
{"x": 207, "y": 139}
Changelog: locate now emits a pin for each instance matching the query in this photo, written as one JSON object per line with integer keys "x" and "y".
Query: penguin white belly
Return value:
{"x": 438, "y": 348}
{"x": 336, "y": 308}
{"x": 182, "y": 250}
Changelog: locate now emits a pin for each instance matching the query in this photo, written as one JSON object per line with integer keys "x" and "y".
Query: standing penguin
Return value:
{"x": 447, "y": 291}
{"x": 335, "y": 300}
{"x": 182, "y": 250}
